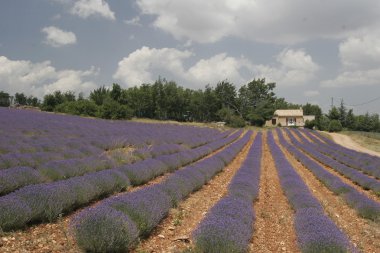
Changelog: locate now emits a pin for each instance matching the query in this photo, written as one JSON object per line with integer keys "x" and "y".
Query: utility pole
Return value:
{"x": 332, "y": 102}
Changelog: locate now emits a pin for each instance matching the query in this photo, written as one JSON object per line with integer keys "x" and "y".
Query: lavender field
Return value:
{"x": 73, "y": 184}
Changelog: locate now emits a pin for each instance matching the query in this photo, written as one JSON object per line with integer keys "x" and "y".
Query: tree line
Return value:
{"x": 253, "y": 103}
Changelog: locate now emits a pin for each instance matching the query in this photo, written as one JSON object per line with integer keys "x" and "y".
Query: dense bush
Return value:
{"x": 114, "y": 231}
{"x": 310, "y": 124}
{"x": 335, "y": 126}
{"x": 236, "y": 121}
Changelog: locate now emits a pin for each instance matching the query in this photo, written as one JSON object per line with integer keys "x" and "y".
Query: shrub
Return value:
{"x": 236, "y": 121}
{"x": 146, "y": 207}
{"x": 225, "y": 229}
{"x": 335, "y": 126}
{"x": 310, "y": 124}
{"x": 323, "y": 237}
{"x": 14, "y": 178}
{"x": 14, "y": 213}
{"x": 104, "y": 229}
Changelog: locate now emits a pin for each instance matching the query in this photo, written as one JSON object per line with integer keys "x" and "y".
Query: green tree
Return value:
{"x": 20, "y": 99}
{"x": 323, "y": 123}
{"x": 257, "y": 101}
{"x": 342, "y": 114}
{"x": 334, "y": 113}
{"x": 32, "y": 101}
{"x": 99, "y": 95}
{"x": 4, "y": 99}
{"x": 226, "y": 94}
{"x": 116, "y": 92}
{"x": 350, "y": 120}
{"x": 335, "y": 126}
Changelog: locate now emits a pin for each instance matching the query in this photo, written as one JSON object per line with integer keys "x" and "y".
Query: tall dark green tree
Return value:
{"x": 334, "y": 113}
{"x": 99, "y": 95}
{"x": 20, "y": 99}
{"x": 4, "y": 99}
{"x": 257, "y": 100}
{"x": 342, "y": 114}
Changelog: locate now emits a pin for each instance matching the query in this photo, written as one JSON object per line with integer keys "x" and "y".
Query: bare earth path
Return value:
{"x": 173, "y": 234}
{"x": 274, "y": 230}
{"x": 347, "y": 142}
{"x": 363, "y": 233}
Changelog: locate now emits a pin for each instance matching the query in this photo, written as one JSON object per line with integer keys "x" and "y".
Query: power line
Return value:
{"x": 364, "y": 103}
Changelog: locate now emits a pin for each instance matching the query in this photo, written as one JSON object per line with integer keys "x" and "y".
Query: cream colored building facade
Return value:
{"x": 289, "y": 118}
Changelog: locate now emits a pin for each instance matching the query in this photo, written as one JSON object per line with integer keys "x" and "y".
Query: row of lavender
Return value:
{"x": 228, "y": 226}
{"x": 366, "y": 163}
{"x": 361, "y": 179}
{"x": 46, "y": 201}
{"x": 366, "y": 207}
{"x": 315, "y": 231}
{"x": 126, "y": 218}
{"x": 31, "y": 131}
{"x": 30, "y": 138}
{"x": 14, "y": 178}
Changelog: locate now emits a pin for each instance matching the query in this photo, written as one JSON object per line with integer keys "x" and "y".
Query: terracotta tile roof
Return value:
{"x": 289, "y": 113}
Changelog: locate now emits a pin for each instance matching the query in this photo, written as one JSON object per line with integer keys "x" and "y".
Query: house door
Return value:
{"x": 291, "y": 121}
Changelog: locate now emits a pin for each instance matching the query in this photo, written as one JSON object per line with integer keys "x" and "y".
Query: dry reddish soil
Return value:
{"x": 274, "y": 230}
{"x": 173, "y": 234}
{"x": 370, "y": 194}
{"x": 55, "y": 237}
{"x": 364, "y": 234}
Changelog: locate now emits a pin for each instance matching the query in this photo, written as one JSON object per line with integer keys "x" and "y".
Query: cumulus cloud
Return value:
{"x": 145, "y": 64}
{"x": 41, "y": 78}
{"x": 56, "y": 37}
{"x": 139, "y": 66}
{"x": 279, "y": 22}
{"x": 293, "y": 67}
{"x": 87, "y": 8}
{"x": 354, "y": 78}
{"x": 360, "y": 59}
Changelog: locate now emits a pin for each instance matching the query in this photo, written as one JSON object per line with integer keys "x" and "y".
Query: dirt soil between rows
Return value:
{"x": 347, "y": 142}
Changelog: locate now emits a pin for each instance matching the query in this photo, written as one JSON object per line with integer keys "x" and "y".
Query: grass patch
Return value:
{"x": 368, "y": 140}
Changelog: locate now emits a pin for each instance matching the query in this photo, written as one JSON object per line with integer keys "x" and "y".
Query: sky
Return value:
{"x": 316, "y": 51}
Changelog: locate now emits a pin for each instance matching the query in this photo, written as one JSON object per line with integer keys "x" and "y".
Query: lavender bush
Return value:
{"x": 104, "y": 229}
{"x": 14, "y": 178}
{"x": 146, "y": 207}
{"x": 365, "y": 207}
{"x": 228, "y": 226}
{"x": 315, "y": 231}
{"x": 366, "y": 182}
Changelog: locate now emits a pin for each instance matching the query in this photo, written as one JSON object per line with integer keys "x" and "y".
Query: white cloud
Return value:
{"x": 361, "y": 50}
{"x": 360, "y": 58}
{"x": 42, "y": 78}
{"x": 87, "y": 8}
{"x": 294, "y": 67}
{"x": 56, "y": 37}
{"x": 145, "y": 64}
{"x": 354, "y": 78}
{"x": 134, "y": 21}
{"x": 311, "y": 93}
{"x": 137, "y": 68}
{"x": 217, "y": 68}
{"x": 279, "y": 22}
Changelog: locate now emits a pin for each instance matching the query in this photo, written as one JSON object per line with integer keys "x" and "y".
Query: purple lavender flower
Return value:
{"x": 104, "y": 229}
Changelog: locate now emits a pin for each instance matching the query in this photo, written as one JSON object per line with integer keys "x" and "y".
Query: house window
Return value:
{"x": 273, "y": 121}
